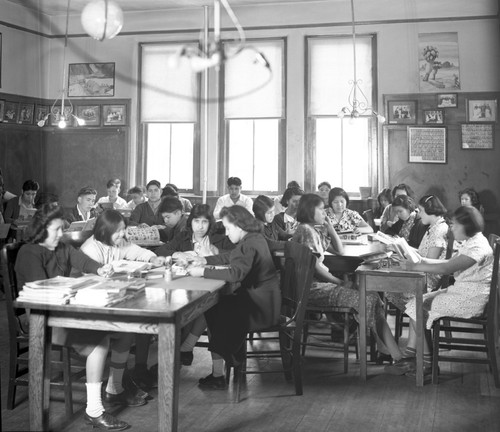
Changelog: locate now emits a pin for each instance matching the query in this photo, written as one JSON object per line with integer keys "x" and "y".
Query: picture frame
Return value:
{"x": 10, "y": 112}
{"x": 477, "y": 136}
{"x": 482, "y": 110}
{"x": 91, "y": 80}
{"x": 447, "y": 100}
{"x": 2, "y": 109}
{"x": 402, "y": 112}
{"x": 56, "y": 115}
{"x": 434, "y": 116}
{"x": 90, "y": 113}
{"x": 26, "y": 113}
{"x": 114, "y": 115}
{"x": 1, "y": 37}
{"x": 427, "y": 145}
{"x": 41, "y": 112}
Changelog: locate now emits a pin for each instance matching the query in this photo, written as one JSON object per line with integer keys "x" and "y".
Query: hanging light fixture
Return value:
{"x": 66, "y": 113}
{"x": 102, "y": 19}
{"x": 358, "y": 102}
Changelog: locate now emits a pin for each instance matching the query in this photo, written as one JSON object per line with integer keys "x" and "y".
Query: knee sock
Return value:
{"x": 427, "y": 360}
{"x": 189, "y": 343}
{"x": 409, "y": 352}
{"x": 116, "y": 370}
{"x": 217, "y": 367}
{"x": 94, "y": 402}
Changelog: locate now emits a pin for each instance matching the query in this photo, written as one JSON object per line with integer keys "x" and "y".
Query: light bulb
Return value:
{"x": 62, "y": 123}
{"x": 80, "y": 121}
{"x": 41, "y": 123}
{"x": 199, "y": 64}
{"x": 99, "y": 24}
{"x": 380, "y": 118}
{"x": 341, "y": 113}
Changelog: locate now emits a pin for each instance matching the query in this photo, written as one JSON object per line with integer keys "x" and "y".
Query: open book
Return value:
{"x": 400, "y": 246}
{"x": 82, "y": 225}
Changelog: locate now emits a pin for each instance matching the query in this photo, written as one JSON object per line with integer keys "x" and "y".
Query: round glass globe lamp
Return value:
{"x": 102, "y": 19}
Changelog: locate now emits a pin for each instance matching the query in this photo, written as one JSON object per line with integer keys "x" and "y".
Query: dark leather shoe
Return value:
{"x": 131, "y": 386}
{"x": 106, "y": 422}
{"x": 187, "y": 358}
{"x": 124, "y": 398}
{"x": 213, "y": 383}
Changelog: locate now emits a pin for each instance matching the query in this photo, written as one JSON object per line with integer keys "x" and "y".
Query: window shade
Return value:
{"x": 160, "y": 83}
{"x": 242, "y": 74}
{"x": 331, "y": 68}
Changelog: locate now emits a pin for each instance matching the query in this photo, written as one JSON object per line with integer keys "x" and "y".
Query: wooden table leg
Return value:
{"x": 419, "y": 324}
{"x": 362, "y": 326}
{"x": 168, "y": 376}
{"x": 39, "y": 371}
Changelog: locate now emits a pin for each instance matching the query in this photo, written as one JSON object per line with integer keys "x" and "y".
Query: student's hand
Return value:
{"x": 406, "y": 265}
{"x": 182, "y": 259}
{"x": 105, "y": 271}
{"x": 143, "y": 225}
{"x": 160, "y": 227}
{"x": 157, "y": 261}
{"x": 197, "y": 261}
{"x": 196, "y": 271}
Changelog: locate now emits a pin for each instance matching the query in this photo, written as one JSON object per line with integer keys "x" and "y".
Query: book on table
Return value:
{"x": 400, "y": 247}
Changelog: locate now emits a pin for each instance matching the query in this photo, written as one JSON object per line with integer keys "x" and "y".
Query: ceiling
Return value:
{"x": 57, "y": 7}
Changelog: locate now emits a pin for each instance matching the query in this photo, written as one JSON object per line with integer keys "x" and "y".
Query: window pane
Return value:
{"x": 158, "y": 152}
{"x": 241, "y": 151}
{"x": 181, "y": 172}
{"x": 328, "y": 151}
{"x": 356, "y": 154}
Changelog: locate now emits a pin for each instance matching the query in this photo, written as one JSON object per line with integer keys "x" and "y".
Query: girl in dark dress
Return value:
{"x": 254, "y": 304}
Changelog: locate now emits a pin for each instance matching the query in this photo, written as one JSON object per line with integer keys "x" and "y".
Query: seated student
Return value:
{"x": 254, "y": 305}
{"x": 389, "y": 216}
{"x": 43, "y": 257}
{"x": 147, "y": 212}
{"x": 409, "y": 224}
{"x": 234, "y": 197}
{"x": 324, "y": 189}
{"x": 384, "y": 198}
{"x": 17, "y": 209}
{"x": 186, "y": 204}
{"x": 278, "y": 208}
{"x": 342, "y": 218}
{"x": 470, "y": 198}
{"x": 173, "y": 218}
{"x": 5, "y": 195}
{"x": 137, "y": 196}
{"x": 263, "y": 209}
{"x": 466, "y": 298}
{"x": 113, "y": 187}
{"x": 84, "y": 208}
{"x": 285, "y": 221}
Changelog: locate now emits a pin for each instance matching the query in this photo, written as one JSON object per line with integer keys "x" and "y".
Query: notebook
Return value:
{"x": 82, "y": 225}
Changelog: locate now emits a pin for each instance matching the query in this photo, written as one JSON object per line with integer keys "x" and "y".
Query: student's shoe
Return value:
{"x": 383, "y": 358}
{"x": 427, "y": 372}
{"x": 106, "y": 422}
{"x": 131, "y": 386}
{"x": 214, "y": 383}
{"x": 124, "y": 398}
{"x": 400, "y": 367}
{"x": 142, "y": 378}
{"x": 187, "y": 358}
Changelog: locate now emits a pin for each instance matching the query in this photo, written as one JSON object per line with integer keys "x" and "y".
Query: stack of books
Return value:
{"x": 109, "y": 292}
{"x": 400, "y": 247}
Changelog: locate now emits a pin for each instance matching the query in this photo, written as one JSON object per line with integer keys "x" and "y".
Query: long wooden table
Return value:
{"x": 163, "y": 310}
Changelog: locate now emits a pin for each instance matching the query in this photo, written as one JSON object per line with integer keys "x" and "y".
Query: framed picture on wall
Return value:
{"x": 402, "y": 112}
{"x": 427, "y": 145}
{"x": 26, "y": 113}
{"x": 2, "y": 109}
{"x": 90, "y": 113}
{"x": 56, "y": 115}
{"x": 41, "y": 112}
{"x": 482, "y": 110}
{"x": 477, "y": 136}
{"x": 434, "y": 116}
{"x": 114, "y": 115}
{"x": 10, "y": 112}
{"x": 91, "y": 80}
{"x": 447, "y": 100}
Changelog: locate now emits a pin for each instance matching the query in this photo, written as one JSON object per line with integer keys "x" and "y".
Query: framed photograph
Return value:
{"x": 482, "y": 110}
{"x": 56, "y": 115}
{"x": 90, "y": 113}
{"x": 1, "y": 60}
{"x": 447, "y": 100}
{"x": 114, "y": 115}
{"x": 438, "y": 62}
{"x": 40, "y": 112}
{"x": 91, "y": 80}
{"x": 2, "y": 109}
{"x": 10, "y": 112}
{"x": 402, "y": 112}
{"x": 477, "y": 136}
{"x": 434, "y": 117}
{"x": 427, "y": 145}
{"x": 26, "y": 112}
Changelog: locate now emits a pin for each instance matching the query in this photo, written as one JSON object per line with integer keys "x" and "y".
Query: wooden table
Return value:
{"x": 163, "y": 310}
{"x": 391, "y": 280}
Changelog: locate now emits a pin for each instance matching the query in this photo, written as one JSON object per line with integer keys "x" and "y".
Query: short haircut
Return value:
{"x": 45, "y": 198}
{"x": 405, "y": 187}
{"x": 136, "y": 190}
{"x": 261, "y": 205}
{"x": 293, "y": 183}
{"x": 242, "y": 218}
{"x": 470, "y": 218}
{"x": 201, "y": 211}
{"x": 169, "y": 191}
{"x": 172, "y": 186}
{"x": 432, "y": 205}
{"x": 113, "y": 182}
{"x": 234, "y": 181}
{"x": 289, "y": 193}
{"x": 474, "y": 197}
{"x": 30, "y": 185}
{"x": 307, "y": 208}
{"x": 106, "y": 225}
{"x": 404, "y": 201}
{"x": 153, "y": 183}
{"x": 170, "y": 205}
{"x": 87, "y": 190}
{"x": 325, "y": 183}
{"x": 337, "y": 192}
{"x": 37, "y": 229}
{"x": 384, "y": 193}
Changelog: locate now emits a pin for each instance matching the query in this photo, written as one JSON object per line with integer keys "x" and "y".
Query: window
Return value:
{"x": 254, "y": 138}
{"x": 340, "y": 149}
{"x": 169, "y": 116}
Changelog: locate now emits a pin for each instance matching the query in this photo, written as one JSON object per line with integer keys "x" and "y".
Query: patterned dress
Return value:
{"x": 469, "y": 295}
{"x": 349, "y": 220}
{"x": 329, "y": 293}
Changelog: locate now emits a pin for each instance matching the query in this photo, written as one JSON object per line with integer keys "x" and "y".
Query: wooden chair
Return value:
{"x": 368, "y": 217}
{"x": 19, "y": 339}
{"x": 295, "y": 283}
{"x": 485, "y": 326}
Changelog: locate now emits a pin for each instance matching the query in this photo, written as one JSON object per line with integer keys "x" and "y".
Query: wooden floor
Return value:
{"x": 465, "y": 400}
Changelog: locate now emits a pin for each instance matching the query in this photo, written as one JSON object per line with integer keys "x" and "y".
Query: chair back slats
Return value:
{"x": 492, "y": 306}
